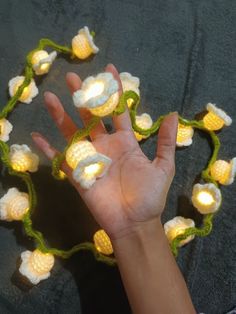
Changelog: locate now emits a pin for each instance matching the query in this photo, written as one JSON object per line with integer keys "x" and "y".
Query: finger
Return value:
{"x": 74, "y": 83}
{"x": 166, "y": 145}
{"x": 121, "y": 122}
{"x": 61, "y": 118}
{"x": 49, "y": 151}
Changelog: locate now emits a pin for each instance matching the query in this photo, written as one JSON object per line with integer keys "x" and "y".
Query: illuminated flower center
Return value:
{"x": 102, "y": 242}
{"x": 18, "y": 206}
{"x": 94, "y": 90}
{"x": 213, "y": 122}
{"x": 20, "y": 161}
{"x": 41, "y": 263}
{"x": 93, "y": 169}
{"x": 220, "y": 171}
{"x": 107, "y": 108}
{"x": 205, "y": 198}
{"x": 26, "y": 90}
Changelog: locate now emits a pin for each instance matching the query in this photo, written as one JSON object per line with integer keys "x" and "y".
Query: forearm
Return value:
{"x": 152, "y": 279}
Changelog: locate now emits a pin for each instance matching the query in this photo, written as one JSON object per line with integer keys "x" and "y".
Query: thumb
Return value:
{"x": 165, "y": 155}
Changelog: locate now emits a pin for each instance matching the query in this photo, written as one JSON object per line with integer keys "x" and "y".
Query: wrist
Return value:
{"x": 141, "y": 235}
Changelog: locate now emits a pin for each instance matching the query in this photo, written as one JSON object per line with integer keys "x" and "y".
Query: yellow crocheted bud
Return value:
{"x": 184, "y": 135}
{"x": 83, "y": 45}
{"x": 14, "y": 205}
{"x": 223, "y": 171}
{"x": 41, "y": 263}
{"x": 79, "y": 151}
{"x": 102, "y": 242}
{"x": 36, "y": 265}
{"x": 87, "y": 164}
{"x": 212, "y": 122}
{"x": 216, "y": 118}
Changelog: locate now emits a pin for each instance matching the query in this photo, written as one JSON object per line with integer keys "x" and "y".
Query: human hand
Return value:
{"x": 134, "y": 189}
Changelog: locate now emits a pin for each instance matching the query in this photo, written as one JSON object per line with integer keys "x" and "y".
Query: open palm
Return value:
{"x": 134, "y": 189}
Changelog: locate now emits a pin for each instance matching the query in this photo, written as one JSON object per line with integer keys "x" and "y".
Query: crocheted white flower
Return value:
{"x": 22, "y": 159}
{"x": 42, "y": 61}
{"x": 184, "y": 135}
{"x": 5, "y": 129}
{"x": 177, "y": 226}
{"x": 83, "y": 45}
{"x": 144, "y": 121}
{"x": 102, "y": 242}
{"x": 130, "y": 82}
{"x": 206, "y": 198}
{"x": 216, "y": 118}
{"x": 14, "y": 205}
{"x": 224, "y": 172}
{"x": 36, "y": 266}
{"x": 29, "y": 91}
{"x": 87, "y": 163}
{"x": 98, "y": 93}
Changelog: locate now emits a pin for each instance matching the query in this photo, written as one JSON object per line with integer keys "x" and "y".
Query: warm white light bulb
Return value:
{"x": 206, "y": 198}
{"x": 94, "y": 90}
{"x": 224, "y": 172}
{"x": 42, "y": 61}
{"x": 184, "y": 135}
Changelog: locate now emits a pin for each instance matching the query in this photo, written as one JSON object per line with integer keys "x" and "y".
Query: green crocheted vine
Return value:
{"x": 82, "y": 133}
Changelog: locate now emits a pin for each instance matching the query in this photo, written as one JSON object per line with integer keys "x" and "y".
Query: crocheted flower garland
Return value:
{"x": 100, "y": 95}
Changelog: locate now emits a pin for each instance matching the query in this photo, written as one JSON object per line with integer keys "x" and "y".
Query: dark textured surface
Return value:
{"x": 185, "y": 55}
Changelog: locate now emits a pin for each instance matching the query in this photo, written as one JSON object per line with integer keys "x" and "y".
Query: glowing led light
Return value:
{"x": 102, "y": 242}
{"x": 87, "y": 164}
{"x": 36, "y": 266}
{"x": 42, "y": 61}
{"x": 206, "y": 198}
{"x": 224, "y": 172}
{"x": 83, "y": 45}
{"x": 14, "y": 205}
{"x": 94, "y": 90}
{"x": 22, "y": 159}
{"x": 216, "y": 118}
{"x": 29, "y": 92}
{"x": 177, "y": 226}
{"x": 184, "y": 135}
{"x": 144, "y": 121}
{"x": 130, "y": 82}
{"x": 98, "y": 94}
{"x": 92, "y": 169}
{"x": 5, "y": 129}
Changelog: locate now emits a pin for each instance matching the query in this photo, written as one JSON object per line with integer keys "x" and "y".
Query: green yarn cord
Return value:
{"x": 82, "y": 133}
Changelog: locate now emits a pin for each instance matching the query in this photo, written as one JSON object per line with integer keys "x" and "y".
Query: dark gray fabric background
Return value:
{"x": 185, "y": 55}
